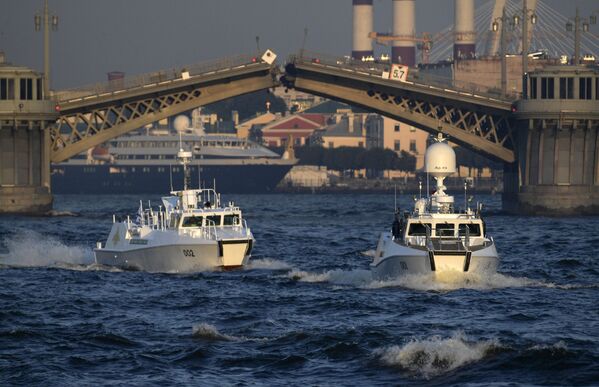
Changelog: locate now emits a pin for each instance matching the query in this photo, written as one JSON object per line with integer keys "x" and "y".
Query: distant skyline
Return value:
{"x": 138, "y": 36}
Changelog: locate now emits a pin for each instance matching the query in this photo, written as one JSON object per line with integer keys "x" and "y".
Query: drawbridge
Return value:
{"x": 474, "y": 116}
{"x": 89, "y": 116}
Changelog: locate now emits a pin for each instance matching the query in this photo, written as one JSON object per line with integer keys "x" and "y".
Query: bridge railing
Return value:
{"x": 155, "y": 78}
{"x": 376, "y": 69}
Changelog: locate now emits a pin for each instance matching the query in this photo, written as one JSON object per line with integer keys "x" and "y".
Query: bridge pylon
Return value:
{"x": 25, "y": 116}
{"x": 558, "y": 144}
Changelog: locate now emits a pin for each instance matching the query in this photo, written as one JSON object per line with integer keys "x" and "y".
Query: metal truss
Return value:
{"x": 492, "y": 128}
{"x": 483, "y": 130}
{"x": 83, "y": 128}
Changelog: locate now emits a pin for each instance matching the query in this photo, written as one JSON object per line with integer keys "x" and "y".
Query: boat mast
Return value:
{"x": 184, "y": 158}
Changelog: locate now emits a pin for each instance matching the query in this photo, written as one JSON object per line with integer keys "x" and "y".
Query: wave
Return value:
{"x": 558, "y": 347}
{"x": 31, "y": 249}
{"x": 56, "y": 213}
{"x": 267, "y": 264}
{"x": 434, "y": 356}
{"x": 210, "y": 332}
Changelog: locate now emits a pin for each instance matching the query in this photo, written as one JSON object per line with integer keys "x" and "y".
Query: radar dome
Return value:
{"x": 181, "y": 123}
{"x": 439, "y": 160}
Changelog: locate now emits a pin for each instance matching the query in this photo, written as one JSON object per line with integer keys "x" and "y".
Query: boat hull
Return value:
{"x": 393, "y": 260}
{"x": 152, "y": 179}
{"x": 179, "y": 258}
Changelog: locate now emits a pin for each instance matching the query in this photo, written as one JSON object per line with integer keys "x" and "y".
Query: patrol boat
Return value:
{"x": 189, "y": 232}
{"x": 434, "y": 239}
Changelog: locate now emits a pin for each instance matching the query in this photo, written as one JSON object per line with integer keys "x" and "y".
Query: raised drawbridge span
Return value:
{"x": 92, "y": 115}
{"x": 473, "y": 116}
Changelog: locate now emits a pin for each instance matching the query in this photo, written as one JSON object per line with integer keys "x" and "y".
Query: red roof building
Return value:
{"x": 298, "y": 126}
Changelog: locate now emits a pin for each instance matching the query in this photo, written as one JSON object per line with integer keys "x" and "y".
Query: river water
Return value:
{"x": 305, "y": 312}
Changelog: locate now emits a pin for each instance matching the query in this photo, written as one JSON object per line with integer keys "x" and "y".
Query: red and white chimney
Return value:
{"x": 464, "y": 46}
{"x": 362, "y": 26}
{"x": 404, "y": 21}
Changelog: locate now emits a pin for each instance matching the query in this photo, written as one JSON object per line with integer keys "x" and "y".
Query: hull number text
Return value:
{"x": 188, "y": 253}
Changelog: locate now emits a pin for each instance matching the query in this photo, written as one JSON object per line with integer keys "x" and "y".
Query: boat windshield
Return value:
{"x": 445, "y": 229}
{"x": 473, "y": 229}
{"x": 418, "y": 229}
{"x": 213, "y": 220}
{"x": 192, "y": 221}
{"x": 231, "y": 220}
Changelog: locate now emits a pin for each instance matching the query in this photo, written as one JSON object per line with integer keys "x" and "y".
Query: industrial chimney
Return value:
{"x": 362, "y": 24}
{"x": 464, "y": 46}
{"x": 404, "y": 49}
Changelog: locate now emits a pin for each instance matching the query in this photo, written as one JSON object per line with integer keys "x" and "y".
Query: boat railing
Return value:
{"x": 210, "y": 230}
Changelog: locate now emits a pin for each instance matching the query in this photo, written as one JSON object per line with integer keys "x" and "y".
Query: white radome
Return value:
{"x": 439, "y": 160}
{"x": 181, "y": 123}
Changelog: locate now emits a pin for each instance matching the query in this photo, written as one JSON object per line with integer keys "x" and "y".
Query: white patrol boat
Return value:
{"x": 189, "y": 232}
{"x": 435, "y": 239}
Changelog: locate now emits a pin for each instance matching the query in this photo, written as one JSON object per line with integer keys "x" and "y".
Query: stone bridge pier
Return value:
{"x": 557, "y": 144}
{"x": 25, "y": 116}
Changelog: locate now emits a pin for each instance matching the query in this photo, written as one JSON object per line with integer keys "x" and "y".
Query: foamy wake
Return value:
{"x": 434, "y": 356}
{"x": 210, "y": 332}
{"x": 31, "y": 249}
{"x": 442, "y": 281}
{"x": 267, "y": 264}
{"x": 357, "y": 278}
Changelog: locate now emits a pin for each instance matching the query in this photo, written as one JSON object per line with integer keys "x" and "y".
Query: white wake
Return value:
{"x": 267, "y": 264}
{"x": 30, "y": 249}
{"x": 442, "y": 281}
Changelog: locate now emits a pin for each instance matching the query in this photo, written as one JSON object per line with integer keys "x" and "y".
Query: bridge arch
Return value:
{"x": 92, "y": 115}
{"x": 474, "y": 118}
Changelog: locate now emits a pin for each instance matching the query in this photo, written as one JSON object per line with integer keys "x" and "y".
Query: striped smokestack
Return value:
{"x": 404, "y": 21}
{"x": 362, "y": 26}
{"x": 464, "y": 46}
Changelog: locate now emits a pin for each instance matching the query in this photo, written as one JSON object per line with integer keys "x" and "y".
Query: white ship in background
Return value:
{"x": 434, "y": 238}
{"x": 140, "y": 162}
{"x": 190, "y": 231}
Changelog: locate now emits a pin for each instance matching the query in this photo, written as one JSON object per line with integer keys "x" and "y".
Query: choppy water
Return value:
{"x": 305, "y": 312}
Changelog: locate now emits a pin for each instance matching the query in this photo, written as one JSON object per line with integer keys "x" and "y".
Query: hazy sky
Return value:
{"x": 137, "y": 36}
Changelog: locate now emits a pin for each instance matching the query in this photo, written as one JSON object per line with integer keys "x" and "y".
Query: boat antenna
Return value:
{"x": 428, "y": 191}
{"x": 420, "y": 187}
{"x": 395, "y": 197}
{"x": 465, "y": 195}
{"x": 184, "y": 158}
{"x": 171, "y": 176}
{"x": 199, "y": 176}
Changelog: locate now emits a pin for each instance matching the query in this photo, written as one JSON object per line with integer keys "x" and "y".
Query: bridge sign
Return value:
{"x": 399, "y": 73}
{"x": 269, "y": 57}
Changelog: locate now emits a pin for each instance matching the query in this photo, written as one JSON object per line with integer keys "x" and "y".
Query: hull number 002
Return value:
{"x": 188, "y": 253}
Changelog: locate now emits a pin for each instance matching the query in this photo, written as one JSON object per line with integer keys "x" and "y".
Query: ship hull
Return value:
{"x": 154, "y": 179}
{"x": 394, "y": 260}
{"x": 179, "y": 258}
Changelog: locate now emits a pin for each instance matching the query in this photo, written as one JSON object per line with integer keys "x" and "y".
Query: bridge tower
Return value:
{"x": 25, "y": 115}
{"x": 558, "y": 144}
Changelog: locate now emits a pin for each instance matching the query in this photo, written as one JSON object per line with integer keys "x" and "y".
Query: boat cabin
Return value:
{"x": 417, "y": 231}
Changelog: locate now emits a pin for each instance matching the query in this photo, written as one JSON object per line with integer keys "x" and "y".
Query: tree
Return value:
{"x": 405, "y": 162}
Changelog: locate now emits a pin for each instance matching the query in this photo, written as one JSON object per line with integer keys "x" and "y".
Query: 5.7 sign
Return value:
{"x": 399, "y": 73}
